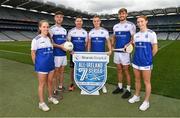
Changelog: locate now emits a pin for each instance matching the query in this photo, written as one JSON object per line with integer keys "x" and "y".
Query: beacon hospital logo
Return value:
{"x": 90, "y": 70}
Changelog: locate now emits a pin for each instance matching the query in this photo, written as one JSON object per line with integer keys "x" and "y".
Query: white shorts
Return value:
{"x": 60, "y": 61}
{"x": 44, "y": 72}
{"x": 142, "y": 67}
{"x": 122, "y": 58}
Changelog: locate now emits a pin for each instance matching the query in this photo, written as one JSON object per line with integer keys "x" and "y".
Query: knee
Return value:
{"x": 41, "y": 84}
{"x": 119, "y": 70}
{"x": 137, "y": 80}
{"x": 147, "y": 82}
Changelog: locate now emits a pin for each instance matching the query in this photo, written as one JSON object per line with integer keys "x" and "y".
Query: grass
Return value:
{"x": 165, "y": 77}
{"x": 19, "y": 99}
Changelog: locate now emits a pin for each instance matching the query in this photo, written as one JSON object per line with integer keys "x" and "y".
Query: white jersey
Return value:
{"x": 98, "y": 39}
{"x": 59, "y": 37}
{"x": 44, "y": 60}
{"x": 123, "y": 33}
{"x": 143, "y": 42}
{"x": 79, "y": 38}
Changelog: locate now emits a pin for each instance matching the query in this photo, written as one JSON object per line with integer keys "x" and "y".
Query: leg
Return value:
{"x": 55, "y": 79}
{"x": 61, "y": 76}
{"x": 147, "y": 81}
{"x": 50, "y": 81}
{"x": 72, "y": 86}
{"x": 71, "y": 69}
{"x": 119, "y": 89}
{"x": 42, "y": 81}
{"x": 128, "y": 78}
{"x": 127, "y": 94}
{"x": 72, "y": 75}
{"x": 119, "y": 72}
{"x": 137, "y": 74}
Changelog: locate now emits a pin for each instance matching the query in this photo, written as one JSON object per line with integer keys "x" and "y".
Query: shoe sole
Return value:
{"x": 133, "y": 102}
{"x": 43, "y": 110}
{"x": 144, "y": 109}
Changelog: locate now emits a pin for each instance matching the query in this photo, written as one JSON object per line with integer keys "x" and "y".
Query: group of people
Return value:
{"x": 49, "y": 54}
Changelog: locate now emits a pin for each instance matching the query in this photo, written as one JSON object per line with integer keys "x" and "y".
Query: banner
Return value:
{"x": 90, "y": 70}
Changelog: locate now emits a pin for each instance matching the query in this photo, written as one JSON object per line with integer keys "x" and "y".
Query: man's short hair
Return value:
{"x": 78, "y": 17}
{"x": 96, "y": 16}
{"x": 59, "y": 13}
{"x": 122, "y": 10}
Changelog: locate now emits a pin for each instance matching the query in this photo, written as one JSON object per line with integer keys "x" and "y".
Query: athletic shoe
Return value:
{"x": 71, "y": 87}
{"x": 43, "y": 107}
{"x": 53, "y": 100}
{"x": 144, "y": 106}
{"x": 117, "y": 90}
{"x": 127, "y": 94}
{"x": 134, "y": 99}
{"x": 61, "y": 89}
{"x": 104, "y": 90}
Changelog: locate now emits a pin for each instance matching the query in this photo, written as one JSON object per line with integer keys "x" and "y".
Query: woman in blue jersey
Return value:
{"x": 43, "y": 59}
{"x": 146, "y": 47}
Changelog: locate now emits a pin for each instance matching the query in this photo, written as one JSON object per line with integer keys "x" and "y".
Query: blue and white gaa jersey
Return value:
{"x": 44, "y": 60}
{"x": 143, "y": 42}
{"x": 123, "y": 33}
{"x": 59, "y": 37}
{"x": 98, "y": 39}
{"x": 79, "y": 38}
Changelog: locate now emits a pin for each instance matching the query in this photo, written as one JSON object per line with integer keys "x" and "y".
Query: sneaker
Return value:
{"x": 53, "y": 100}
{"x": 127, "y": 94}
{"x": 144, "y": 106}
{"x": 43, "y": 107}
{"x": 117, "y": 90}
{"x": 134, "y": 99}
{"x": 104, "y": 90}
{"x": 61, "y": 89}
{"x": 71, "y": 87}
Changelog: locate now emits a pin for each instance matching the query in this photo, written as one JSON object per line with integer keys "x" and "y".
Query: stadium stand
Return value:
{"x": 28, "y": 34}
{"x": 15, "y": 35}
{"x": 173, "y": 36}
{"x": 162, "y": 36}
{"x": 21, "y": 17}
{"x": 4, "y": 37}
{"x": 178, "y": 37}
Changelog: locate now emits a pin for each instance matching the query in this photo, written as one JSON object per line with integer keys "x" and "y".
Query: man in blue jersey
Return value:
{"x": 98, "y": 37}
{"x": 78, "y": 36}
{"x": 123, "y": 32}
{"x": 58, "y": 34}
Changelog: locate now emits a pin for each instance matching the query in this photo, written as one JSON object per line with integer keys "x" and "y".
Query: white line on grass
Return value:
{"x": 14, "y": 52}
{"x": 163, "y": 46}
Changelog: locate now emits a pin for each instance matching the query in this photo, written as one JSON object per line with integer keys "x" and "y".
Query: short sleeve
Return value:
{"x": 107, "y": 35}
{"x": 114, "y": 30}
{"x": 86, "y": 36}
{"x": 133, "y": 29}
{"x": 153, "y": 38}
{"x": 89, "y": 35}
{"x": 51, "y": 32}
{"x": 34, "y": 44}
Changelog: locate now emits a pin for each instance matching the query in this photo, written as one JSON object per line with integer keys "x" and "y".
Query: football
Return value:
{"x": 68, "y": 46}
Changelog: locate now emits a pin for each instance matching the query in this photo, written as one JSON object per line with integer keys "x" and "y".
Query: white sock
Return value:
{"x": 120, "y": 85}
{"x": 128, "y": 88}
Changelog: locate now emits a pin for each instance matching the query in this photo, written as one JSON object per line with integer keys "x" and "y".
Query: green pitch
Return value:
{"x": 19, "y": 87}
